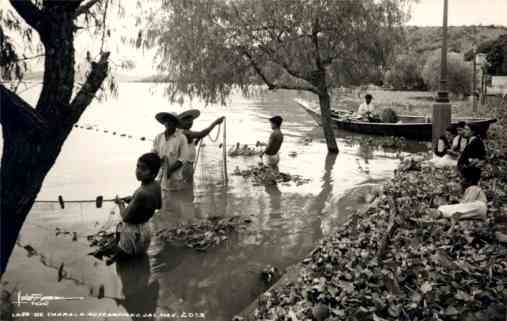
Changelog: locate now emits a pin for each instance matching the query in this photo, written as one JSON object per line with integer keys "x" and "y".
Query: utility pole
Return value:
{"x": 474, "y": 82}
{"x": 441, "y": 117}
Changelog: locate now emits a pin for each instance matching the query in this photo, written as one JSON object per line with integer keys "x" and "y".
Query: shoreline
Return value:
{"x": 367, "y": 192}
{"x": 394, "y": 262}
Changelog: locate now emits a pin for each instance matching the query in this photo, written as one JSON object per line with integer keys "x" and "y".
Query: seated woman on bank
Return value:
{"x": 474, "y": 202}
{"x": 443, "y": 154}
{"x": 474, "y": 153}
{"x": 133, "y": 233}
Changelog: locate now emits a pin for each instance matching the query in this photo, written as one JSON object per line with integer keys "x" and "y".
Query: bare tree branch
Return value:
{"x": 29, "y": 12}
{"x": 90, "y": 87}
{"x": 85, "y": 7}
{"x": 18, "y": 114}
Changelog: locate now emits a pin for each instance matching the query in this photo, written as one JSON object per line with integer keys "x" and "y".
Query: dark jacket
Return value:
{"x": 474, "y": 149}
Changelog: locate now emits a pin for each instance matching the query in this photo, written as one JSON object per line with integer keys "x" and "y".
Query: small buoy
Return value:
{"x": 106, "y": 131}
{"x": 122, "y": 135}
{"x": 220, "y": 146}
{"x": 100, "y": 295}
{"x": 60, "y": 272}
{"x": 76, "y": 126}
{"x": 98, "y": 201}
{"x": 114, "y": 133}
{"x": 74, "y": 236}
{"x": 143, "y": 138}
{"x": 60, "y": 200}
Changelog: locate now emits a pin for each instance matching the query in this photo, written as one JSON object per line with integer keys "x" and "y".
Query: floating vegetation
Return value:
{"x": 395, "y": 261}
{"x": 204, "y": 234}
{"x": 264, "y": 175}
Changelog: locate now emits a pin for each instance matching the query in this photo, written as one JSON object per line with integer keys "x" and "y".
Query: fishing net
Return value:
{"x": 210, "y": 165}
{"x": 59, "y": 238}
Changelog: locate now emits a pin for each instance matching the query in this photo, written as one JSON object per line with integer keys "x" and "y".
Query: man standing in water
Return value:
{"x": 171, "y": 146}
{"x": 186, "y": 119}
{"x": 270, "y": 155}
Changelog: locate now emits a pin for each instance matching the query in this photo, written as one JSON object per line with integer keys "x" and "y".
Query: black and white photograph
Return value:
{"x": 253, "y": 160}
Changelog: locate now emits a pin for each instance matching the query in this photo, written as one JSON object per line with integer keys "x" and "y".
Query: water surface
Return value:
{"x": 287, "y": 220}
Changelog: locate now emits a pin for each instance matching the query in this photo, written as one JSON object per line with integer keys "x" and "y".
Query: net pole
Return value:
{"x": 224, "y": 151}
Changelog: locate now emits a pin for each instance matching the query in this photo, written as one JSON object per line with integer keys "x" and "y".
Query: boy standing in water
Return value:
{"x": 133, "y": 234}
{"x": 270, "y": 155}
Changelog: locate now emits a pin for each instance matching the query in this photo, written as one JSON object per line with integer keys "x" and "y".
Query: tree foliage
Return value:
{"x": 496, "y": 55}
{"x": 208, "y": 47}
{"x": 405, "y": 73}
{"x": 459, "y": 73}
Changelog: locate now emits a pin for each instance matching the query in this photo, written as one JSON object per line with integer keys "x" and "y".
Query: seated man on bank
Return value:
{"x": 474, "y": 153}
{"x": 270, "y": 155}
{"x": 459, "y": 141}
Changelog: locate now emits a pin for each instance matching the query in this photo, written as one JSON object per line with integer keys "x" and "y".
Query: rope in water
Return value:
{"x": 143, "y": 138}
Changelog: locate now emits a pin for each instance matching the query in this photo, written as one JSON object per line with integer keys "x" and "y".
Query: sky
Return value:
{"x": 461, "y": 12}
{"x": 423, "y": 13}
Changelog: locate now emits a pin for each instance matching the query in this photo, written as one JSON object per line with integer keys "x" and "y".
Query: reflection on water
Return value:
{"x": 287, "y": 220}
{"x": 139, "y": 292}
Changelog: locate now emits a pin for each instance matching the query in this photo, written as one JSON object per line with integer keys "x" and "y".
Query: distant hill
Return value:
{"x": 461, "y": 39}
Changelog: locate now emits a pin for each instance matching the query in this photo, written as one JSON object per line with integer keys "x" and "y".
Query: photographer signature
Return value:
{"x": 41, "y": 300}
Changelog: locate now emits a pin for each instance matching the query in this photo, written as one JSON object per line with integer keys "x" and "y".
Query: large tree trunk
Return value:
{"x": 25, "y": 163}
{"x": 32, "y": 137}
{"x": 327, "y": 126}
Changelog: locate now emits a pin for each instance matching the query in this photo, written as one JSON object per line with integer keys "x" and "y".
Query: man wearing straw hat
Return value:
{"x": 186, "y": 119}
{"x": 171, "y": 147}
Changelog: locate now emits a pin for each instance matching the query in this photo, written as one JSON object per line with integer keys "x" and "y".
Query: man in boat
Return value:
{"x": 367, "y": 108}
{"x": 186, "y": 119}
{"x": 270, "y": 155}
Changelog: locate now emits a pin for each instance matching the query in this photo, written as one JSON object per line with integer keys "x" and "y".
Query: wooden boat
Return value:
{"x": 410, "y": 127}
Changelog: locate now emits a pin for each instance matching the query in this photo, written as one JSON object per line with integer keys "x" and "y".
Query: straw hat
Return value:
{"x": 163, "y": 117}
{"x": 191, "y": 113}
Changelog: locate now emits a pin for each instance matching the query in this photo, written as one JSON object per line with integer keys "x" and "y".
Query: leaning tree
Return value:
{"x": 34, "y": 135}
{"x": 207, "y": 48}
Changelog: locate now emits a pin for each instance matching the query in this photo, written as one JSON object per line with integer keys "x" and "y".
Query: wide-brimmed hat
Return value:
{"x": 191, "y": 113}
{"x": 163, "y": 117}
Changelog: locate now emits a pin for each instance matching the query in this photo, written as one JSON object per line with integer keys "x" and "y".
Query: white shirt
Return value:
{"x": 474, "y": 193}
{"x": 190, "y": 152}
{"x": 364, "y": 108}
{"x": 462, "y": 144}
{"x": 172, "y": 149}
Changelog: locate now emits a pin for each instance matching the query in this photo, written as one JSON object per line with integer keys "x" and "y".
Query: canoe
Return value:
{"x": 410, "y": 127}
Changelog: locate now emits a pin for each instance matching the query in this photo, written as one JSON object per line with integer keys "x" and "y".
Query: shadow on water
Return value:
{"x": 140, "y": 293}
{"x": 224, "y": 280}
{"x": 287, "y": 221}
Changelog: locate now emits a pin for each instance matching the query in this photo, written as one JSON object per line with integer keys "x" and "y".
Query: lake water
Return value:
{"x": 287, "y": 220}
